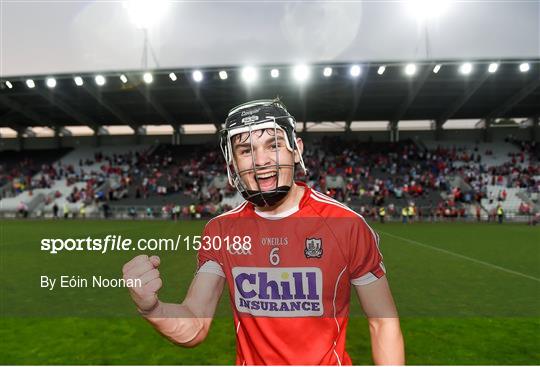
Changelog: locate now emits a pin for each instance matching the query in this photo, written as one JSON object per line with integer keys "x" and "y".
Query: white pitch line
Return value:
{"x": 463, "y": 257}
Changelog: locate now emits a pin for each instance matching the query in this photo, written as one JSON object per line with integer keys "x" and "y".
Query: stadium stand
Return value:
{"x": 17, "y": 168}
{"x": 438, "y": 179}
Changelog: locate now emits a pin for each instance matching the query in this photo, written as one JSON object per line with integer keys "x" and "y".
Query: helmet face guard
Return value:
{"x": 245, "y": 121}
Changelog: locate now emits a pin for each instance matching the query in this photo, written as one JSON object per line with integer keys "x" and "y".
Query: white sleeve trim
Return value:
{"x": 364, "y": 279}
{"x": 367, "y": 278}
{"x": 211, "y": 267}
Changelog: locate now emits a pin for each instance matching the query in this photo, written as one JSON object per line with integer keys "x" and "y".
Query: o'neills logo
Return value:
{"x": 278, "y": 292}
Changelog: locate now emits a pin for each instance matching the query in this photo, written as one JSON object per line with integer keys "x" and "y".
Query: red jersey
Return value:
{"x": 290, "y": 288}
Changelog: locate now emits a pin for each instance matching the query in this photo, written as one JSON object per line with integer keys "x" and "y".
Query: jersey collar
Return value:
{"x": 307, "y": 193}
{"x": 288, "y": 212}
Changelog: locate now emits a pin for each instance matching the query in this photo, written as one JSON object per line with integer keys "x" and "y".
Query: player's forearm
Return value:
{"x": 386, "y": 341}
{"x": 178, "y": 323}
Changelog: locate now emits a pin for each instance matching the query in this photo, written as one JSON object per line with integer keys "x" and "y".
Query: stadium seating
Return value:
{"x": 441, "y": 177}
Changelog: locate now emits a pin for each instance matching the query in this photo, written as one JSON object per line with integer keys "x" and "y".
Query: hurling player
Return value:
{"x": 288, "y": 254}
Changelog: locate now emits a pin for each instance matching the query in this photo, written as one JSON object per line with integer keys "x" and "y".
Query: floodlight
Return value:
{"x": 145, "y": 13}
{"x": 493, "y": 67}
{"x": 197, "y": 76}
{"x": 524, "y": 67}
{"x": 100, "y": 80}
{"x": 425, "y": 9}
{"x": 249, "y": 74}
{"x": 327, "y": 71}
{"x": 355, "y": 70}
{"x": 465, "y": 68}
{"x": 51, "y": 82}
{"x": 410, "y": 69}
{"x": 148, "y": 78}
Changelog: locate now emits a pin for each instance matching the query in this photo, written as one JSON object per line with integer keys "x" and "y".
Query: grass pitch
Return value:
{"x": 467, "y": 294}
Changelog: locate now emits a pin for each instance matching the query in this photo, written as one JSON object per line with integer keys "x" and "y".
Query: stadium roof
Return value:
{"x": 392, "y": 95}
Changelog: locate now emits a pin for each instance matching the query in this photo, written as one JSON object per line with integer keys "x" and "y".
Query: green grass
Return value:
{"x": 467, "y": 294}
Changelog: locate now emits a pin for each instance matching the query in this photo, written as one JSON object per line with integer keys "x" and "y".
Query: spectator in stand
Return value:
{"x": 23, "y": 209}
{"x": 524, "y": 208}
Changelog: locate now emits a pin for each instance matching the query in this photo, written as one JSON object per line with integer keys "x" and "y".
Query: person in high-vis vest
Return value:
{"x": 404, "y": 214}
{"x": 500, "y": 213}
{"x": 82, "y": 211}
{"x": 66, "y": 211}
{"x": 410, "y": 213}
{"x": 382, "y": 214}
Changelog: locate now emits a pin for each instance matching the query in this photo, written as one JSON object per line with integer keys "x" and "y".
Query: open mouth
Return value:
{"x": 267, "y": 180}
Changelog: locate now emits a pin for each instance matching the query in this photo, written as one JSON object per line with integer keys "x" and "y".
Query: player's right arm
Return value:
{"x": 185, "y": 324}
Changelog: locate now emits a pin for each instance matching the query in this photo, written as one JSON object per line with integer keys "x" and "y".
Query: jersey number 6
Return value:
{"x": 274, "y": 256}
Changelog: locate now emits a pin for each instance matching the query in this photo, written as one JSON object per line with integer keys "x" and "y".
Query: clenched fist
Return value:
{"x": 146, "y": 269}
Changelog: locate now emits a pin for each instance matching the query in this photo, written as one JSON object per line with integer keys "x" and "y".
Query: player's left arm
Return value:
{"x": 387, "y": 344}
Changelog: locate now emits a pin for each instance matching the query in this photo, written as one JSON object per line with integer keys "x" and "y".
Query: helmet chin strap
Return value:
{"x": 270, "y": 197}
{"x": 266, "y": 198}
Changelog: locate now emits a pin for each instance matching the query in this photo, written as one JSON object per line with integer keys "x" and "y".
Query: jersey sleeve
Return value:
{"x": 366, "y": 261}
{"x": 209, "y": 260}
